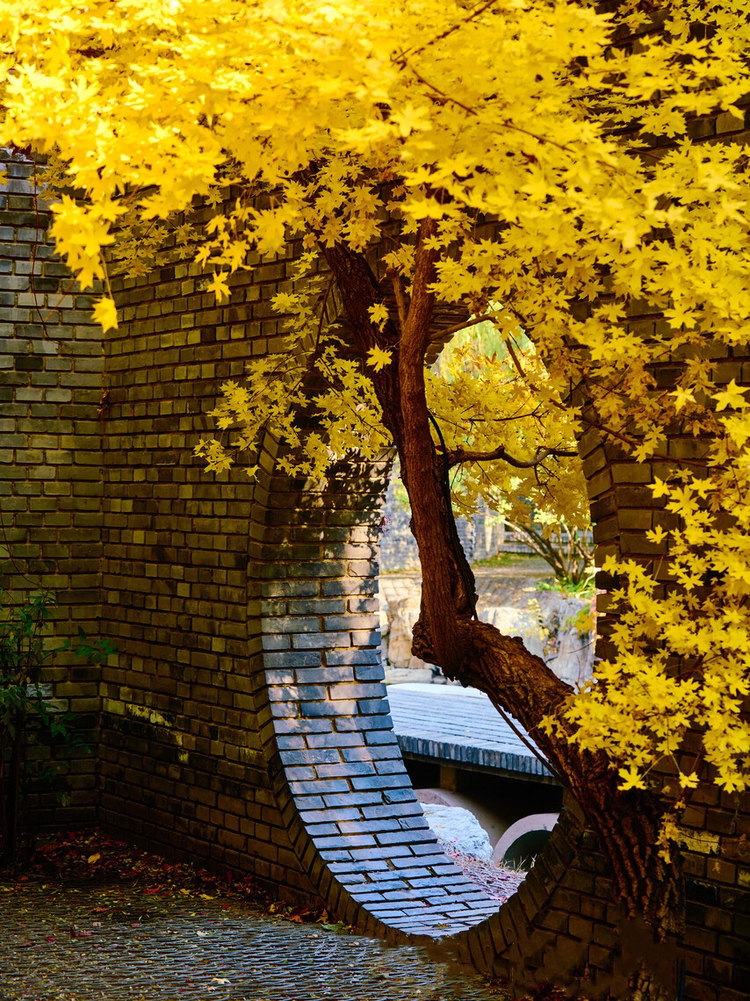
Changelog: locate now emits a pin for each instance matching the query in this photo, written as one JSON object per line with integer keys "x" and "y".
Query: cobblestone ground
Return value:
{"x": 117, "y": 943}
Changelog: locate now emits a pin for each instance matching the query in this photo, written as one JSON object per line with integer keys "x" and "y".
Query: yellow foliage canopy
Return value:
{"x": 557, "y": 162}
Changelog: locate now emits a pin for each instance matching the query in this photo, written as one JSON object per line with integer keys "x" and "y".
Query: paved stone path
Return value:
{"x": 452, "y": 724}
{"x": 119, "y": 943}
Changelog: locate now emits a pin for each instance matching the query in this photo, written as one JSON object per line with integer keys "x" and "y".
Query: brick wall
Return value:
{"x": 246, "y": 712}
{"x": 348, "y": 801}
{"x": 716, "y": 824}
{"x": 50, "y": 457}
{"x": 185, "y": 762}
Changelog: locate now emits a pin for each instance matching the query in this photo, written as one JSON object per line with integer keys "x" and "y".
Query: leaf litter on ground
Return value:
{"x": 90, "y": 856}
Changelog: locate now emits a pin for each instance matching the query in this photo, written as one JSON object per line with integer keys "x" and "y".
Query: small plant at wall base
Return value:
{"x": 24, "y": 653}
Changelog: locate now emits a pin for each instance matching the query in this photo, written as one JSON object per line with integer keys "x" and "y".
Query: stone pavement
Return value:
{"x": 117, "y": 942}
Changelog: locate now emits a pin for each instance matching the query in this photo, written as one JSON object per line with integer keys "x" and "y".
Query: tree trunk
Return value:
{"x": 476, "y": 653}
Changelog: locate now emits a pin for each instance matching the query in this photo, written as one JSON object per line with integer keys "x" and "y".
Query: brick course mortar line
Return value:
{"x": 50, "y": 456}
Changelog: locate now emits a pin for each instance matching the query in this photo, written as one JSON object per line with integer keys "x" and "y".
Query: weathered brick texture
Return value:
{"x": 51, "y": 363}
{"x": 185, "y": 758}
{"x": 243, "y": 721}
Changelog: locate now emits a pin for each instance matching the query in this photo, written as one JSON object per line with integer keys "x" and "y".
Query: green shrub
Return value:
{"x": 25, "y": 651}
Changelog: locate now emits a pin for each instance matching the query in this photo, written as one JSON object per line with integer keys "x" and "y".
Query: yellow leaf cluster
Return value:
{"x": 571, "y": 204}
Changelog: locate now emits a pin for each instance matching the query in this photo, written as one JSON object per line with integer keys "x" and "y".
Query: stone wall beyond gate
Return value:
{"x": 244, "y": 720}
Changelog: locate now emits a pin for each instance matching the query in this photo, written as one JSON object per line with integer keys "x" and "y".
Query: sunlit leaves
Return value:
{"x": 105, "y": 313}
{"x": 529, "y": 140}
{"x": 379, "y": 358}
{"x": 640, "y": 706}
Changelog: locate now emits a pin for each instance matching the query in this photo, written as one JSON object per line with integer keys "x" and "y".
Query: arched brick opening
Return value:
{"x": 329, "y": 811}
{"x": 193, "y": 755}
{"x": 244, "y": 721}
{"x": 339, "y": 776}
{"x": 344, "y": 793}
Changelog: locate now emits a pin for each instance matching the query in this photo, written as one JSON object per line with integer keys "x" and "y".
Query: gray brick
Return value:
{"x": 292, "y": 658}
{"x": 318, "y": 756}
{"x": 363, "y": 799}
{"x": 349, "y": 769}
{"x": 335, "y": 740}
{"x": 362, "y": 724}
{"x": 317, "y": 606}
{"x": 374, "y": 706}
{"x": 402, "y": 837}
{"x": 372, "y": 754}
{"x": 328, "y": 708}
{"x": 355, "y": 691}
{"x": 292, "y": 624}
{"x": 352, "y": 657}
{"x": 323, "y": 675}
{"x": 329, "y": 816}
{"x": 318, "y": 640}
{"x": 379, "y": 781}
{"x": 303, "y": 725}
{"x": 334, "y": 588}
{"x": 320, "y": 786}
{"x": 332, "y": 622}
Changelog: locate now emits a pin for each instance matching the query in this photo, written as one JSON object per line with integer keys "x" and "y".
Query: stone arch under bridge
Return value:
{"x": 244, "y": 722}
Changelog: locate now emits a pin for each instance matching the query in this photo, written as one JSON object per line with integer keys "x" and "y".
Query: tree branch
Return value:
{"x": 415, "y": 330}
{"x": 458, "y": 455}
{"x": 398, "y": 291}
{"x": 438, "y": 335}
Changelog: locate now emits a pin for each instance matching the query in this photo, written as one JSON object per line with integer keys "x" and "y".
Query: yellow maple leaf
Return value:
{"x": 681, "y": 397}
{"x": 218, "y": 285}
{"x": 105, "y": 313}
{"x": 378, "y": 314}
{"x": 379, "y": 358}
{"x": 732, "y": 396}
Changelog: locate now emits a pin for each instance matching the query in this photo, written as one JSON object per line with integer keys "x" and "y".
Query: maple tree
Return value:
{"x": 519, "y": 161}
